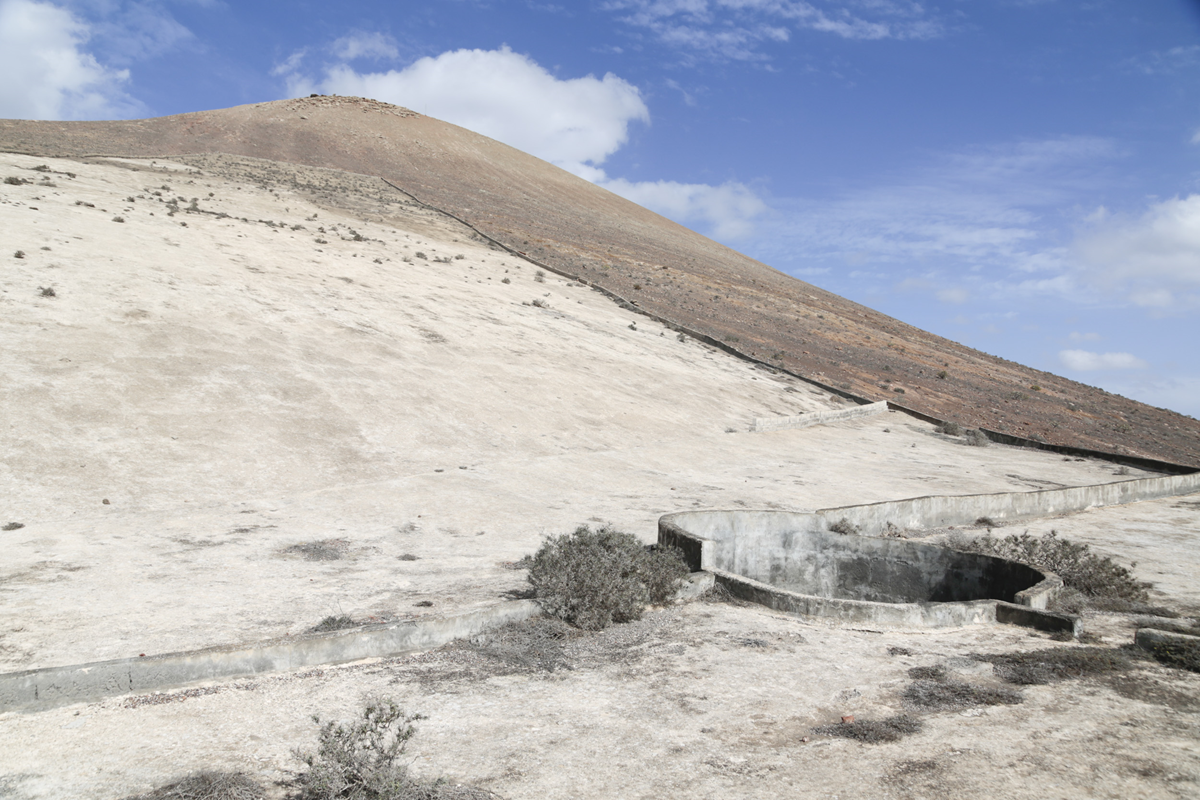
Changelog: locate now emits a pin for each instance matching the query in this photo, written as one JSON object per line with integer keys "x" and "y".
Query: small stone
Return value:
{"x": 105, "y": 501}
{"x": 847, "y": 719}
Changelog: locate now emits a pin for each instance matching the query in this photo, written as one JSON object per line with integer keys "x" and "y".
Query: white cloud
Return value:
{"x": 364, "y": 45}
{"x": 735, "y": 29}
{"x": 978, "y": 210}
{"x": 954, "y": 296}
{"x": 1075, "y": 336}
{"x": 575, "y": 123}
{"x": 47, "y": 73}
{"x": 1085, "y": 361}
{"x": 1153, "y": 260}
{"x": 729, "y": 209}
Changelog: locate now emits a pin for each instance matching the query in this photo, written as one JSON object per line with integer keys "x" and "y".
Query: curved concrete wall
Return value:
{"x": 793, "y": 562}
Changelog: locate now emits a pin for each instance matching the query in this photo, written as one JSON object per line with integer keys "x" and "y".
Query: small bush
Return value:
{"x": 332, "y": 623}
{"x": 539, "y": 276}
{"x": 891, "y": 729}
{"x": 977, "y": 438}
{"x": 360, "y": 759}
{"x": 208, "y": 785}
{"x": 845, "y": 526}
{"x": 320, "y": 550}
{"x": 1040, "y": 667}
{"x": 13, "y": 180}
{"x": 592, "y": 579}
{"x": 47, "y": 291}
{"x": 19, "y": 254}
{"x": 13, "y": 526}
{"x": 934, "y": 692}
{"x": 118, "y": 219}
{"x": 950, "y": 428}
{"x": 1082, "y": 570}
{"x": 942, "y": 374}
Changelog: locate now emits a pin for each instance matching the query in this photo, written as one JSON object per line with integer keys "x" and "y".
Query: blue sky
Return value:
{"x": 1019, "y": 175}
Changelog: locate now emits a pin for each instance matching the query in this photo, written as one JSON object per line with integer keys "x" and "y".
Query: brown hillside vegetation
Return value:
{"x": 663, "y": 268}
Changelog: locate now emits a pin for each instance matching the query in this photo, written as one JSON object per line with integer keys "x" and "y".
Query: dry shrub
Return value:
{"x": 1098, "y": 578}
{"x": 844, "y": 526}
{"x": 592, "y": 579}
{"x": 948, "y": 695}
{"x": 320, "y": 550}
{"x": 950, "y": 428}
{"x": 891, "y": 729}
{"x": 333, "y": 623}
{"x": 1038, "y": 667}
{"x": 532, "y": 645}
{"x": 363, "y": 760}
{"x": 207, "y": 785}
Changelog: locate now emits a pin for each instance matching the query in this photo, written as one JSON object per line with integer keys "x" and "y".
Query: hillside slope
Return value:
{"x": 582, "y": 230}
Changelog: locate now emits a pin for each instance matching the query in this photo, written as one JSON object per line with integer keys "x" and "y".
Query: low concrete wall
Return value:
{"x": 1168, "y": 647}
{"x": 941, "y": 511}
{"x": 818, "y": 417}
{"x": 41, "y": 689}
{"x": 794, "y": 551}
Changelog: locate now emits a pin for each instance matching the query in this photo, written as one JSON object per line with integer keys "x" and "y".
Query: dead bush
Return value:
{"x": 976, "y": 438}
{"x": 891, "y": 729}
{"x": 333, "y": 623}
{"x": 361, "y": 758}
{"x": 942, "y": 694}
{"x": 1039, "y": 667}
{"x": 592, "y": 579}
{"x": 207, "y": 785}
{"x": 319, "y": 550}
{"x": 844, "y": 526}
{"x": 1095, "y": 577}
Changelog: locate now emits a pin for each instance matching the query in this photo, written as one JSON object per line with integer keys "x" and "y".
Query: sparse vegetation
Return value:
{"x": 891, "y": 729}
{"x": 13, "y": 180}
{"x": 47, "y": 291}
{"x": 208, "y": 785}
{"x": 976, "y": 438}
{"x": 319, "y": 550}
{"x": 361, "y": 759}
{"x": 13, "y": 526}
{"x": 333, "y": 623}
{"x": 1082, "y": 570}
{"x": 592, "y": 579}
{"x": 845, "y": 526}
{"x": 950, "y": 428}
{"x": 1181, "y": 654}
{"x": 932, "y": 690}
{"x": 1038, "y": 667}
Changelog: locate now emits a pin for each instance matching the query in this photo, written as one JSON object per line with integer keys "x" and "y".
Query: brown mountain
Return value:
{"x": 586, "y": 232}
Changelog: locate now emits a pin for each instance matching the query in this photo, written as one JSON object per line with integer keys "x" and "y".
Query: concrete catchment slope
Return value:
{"x": 583, "y": 231}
